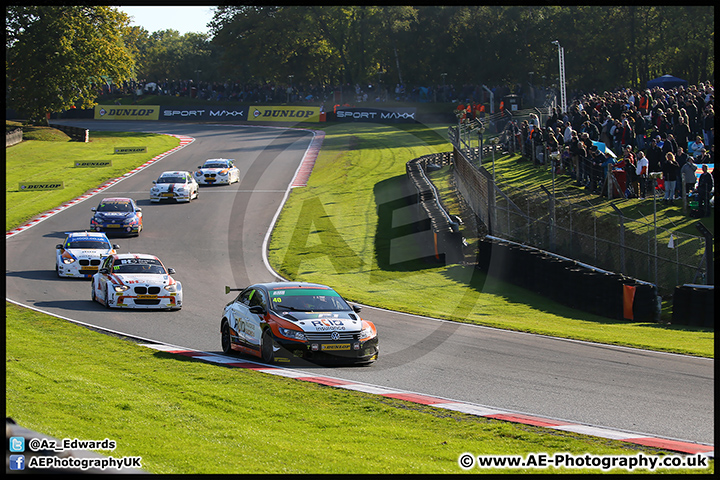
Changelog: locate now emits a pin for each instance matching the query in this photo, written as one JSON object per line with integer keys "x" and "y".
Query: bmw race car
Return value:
{"x": 81, "y": 253}
{"x": 136, "y": 280}
{"x": 178, "y": 185}
{"x": 217, "y": 171}
{"x": 278, "y": 321}
{"x": 117, "y": 215}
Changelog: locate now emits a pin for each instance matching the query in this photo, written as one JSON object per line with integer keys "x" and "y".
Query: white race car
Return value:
{"x": 81, "y": 253}
{"x": 176, "y": 185}
{"x": 136, "y": 280}
{"x": 217, "y": 171}
{"x": 280, "y": 321}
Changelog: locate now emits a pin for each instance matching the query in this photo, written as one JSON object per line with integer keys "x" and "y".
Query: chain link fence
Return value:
{"x": 570, "y": 226}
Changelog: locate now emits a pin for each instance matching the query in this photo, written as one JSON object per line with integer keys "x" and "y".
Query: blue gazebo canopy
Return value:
{"x": 666, "y": 81}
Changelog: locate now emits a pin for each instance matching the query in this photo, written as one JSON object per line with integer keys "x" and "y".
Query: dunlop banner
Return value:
{"x": 38, "y": 186}
{"x": 94, "y": 163}
{"x": 127, "y": 112}
{"x": 284, "y": 114}
{"x": 130, "y": 149}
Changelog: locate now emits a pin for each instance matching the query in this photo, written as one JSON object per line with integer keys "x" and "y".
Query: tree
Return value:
{"x": 58, "y": 57}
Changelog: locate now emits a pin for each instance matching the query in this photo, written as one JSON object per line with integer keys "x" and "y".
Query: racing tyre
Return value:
{"x": 266, "y": 347}
{"x": 225, "y": 338}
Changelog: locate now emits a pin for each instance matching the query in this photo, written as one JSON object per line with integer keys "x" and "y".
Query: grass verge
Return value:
{"x": 52, "y": 158}
{"x": 331, "y": 232}
{"x": 244, "y": 421}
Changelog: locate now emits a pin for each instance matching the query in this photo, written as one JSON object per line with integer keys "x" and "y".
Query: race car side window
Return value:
{"x": 107, "y": 262}
{"x": 244, "y": 297}
{"x": 258, "y": 298}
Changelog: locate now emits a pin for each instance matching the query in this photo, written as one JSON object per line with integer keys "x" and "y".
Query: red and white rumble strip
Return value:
{"x": 184, "y": 141}
{"x": 438, "y": 402}
{"x": 308, "y": 162}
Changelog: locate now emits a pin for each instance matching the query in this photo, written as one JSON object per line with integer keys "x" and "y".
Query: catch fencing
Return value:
{"x": 566, "y": 224}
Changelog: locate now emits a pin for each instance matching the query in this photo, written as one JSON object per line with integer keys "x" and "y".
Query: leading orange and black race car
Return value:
{"x": 281, "y": 320}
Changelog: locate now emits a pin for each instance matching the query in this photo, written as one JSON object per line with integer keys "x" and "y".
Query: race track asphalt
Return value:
{"x": 218, "y": 240}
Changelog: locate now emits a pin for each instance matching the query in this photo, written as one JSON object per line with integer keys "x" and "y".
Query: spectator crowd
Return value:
{"x": 657, "y": 136}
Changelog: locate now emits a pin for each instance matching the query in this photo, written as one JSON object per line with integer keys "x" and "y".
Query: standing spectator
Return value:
{"x": 704, "y": 189}
{"x": 670, "y": 174}
{"x": 605, "y": 136}
{"x": 704, "y": 157}
{"x": 654, "y": 156}
{"x": 631, "y": 177}
{"x": 669, "y": 146}
{"x": 567, "y": 134}
{"x": 681, "y": 160}
{"x": 663, "y": 125}
{"x": 687, "y": 172}
{"x": 709, "y": 126}
{"x": 681, "y": 132}
{"x": 640, "y": 128}
{"x": 697, "y": 146}
{"x": 576, "y": 150}
{"x": 628, "y": 135}
{"x": 594, "y": 165}
{"x": 642, "y": 173}
{"x": 616, "y": 133}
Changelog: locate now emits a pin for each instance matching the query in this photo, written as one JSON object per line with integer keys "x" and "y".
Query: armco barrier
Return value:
{"x": 75, "y": 133}
{"x": 14, "y": 137}
{"x": 567, "y": 281}
{"x": 444, "y": 232}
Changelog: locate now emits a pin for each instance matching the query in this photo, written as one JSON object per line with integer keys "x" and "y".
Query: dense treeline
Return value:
{"x": 605, "y": 47}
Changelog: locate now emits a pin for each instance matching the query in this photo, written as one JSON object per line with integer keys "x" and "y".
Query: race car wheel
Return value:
{"x": 225, "y": 338}
{"x": 266, "y": 347}
{"x": 92, "y": 291}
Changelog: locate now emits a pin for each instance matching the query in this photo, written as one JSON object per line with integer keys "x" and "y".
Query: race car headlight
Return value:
{"x": 130, "y": 221}
{"x": 120, "y": 288}
{"x": 171, "y": 288}
{"x": 198, "y": 173}
{"x": 293, "y": 334}
{"x": 68, "y": 261}
{"x": 366, "y": 333}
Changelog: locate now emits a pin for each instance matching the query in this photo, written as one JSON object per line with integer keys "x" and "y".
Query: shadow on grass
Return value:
{"x": 403, "y": 239}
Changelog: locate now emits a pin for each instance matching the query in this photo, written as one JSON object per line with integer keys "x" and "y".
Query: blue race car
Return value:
{"x": 117, "y": 215}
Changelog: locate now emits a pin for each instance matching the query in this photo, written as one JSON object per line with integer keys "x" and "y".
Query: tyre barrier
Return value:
{"x": 569, "y": 282}
{"x": 694, "y": 305}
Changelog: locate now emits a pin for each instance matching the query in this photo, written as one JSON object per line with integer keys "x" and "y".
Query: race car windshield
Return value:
{"x": 171, "y": 180}
{"x": 88, "y": 244}
{"x": 146, "y": 266}
{"x": 306, "y": 300}
{"x": 115, "y": 207}
{"x": 215, "y": 165}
